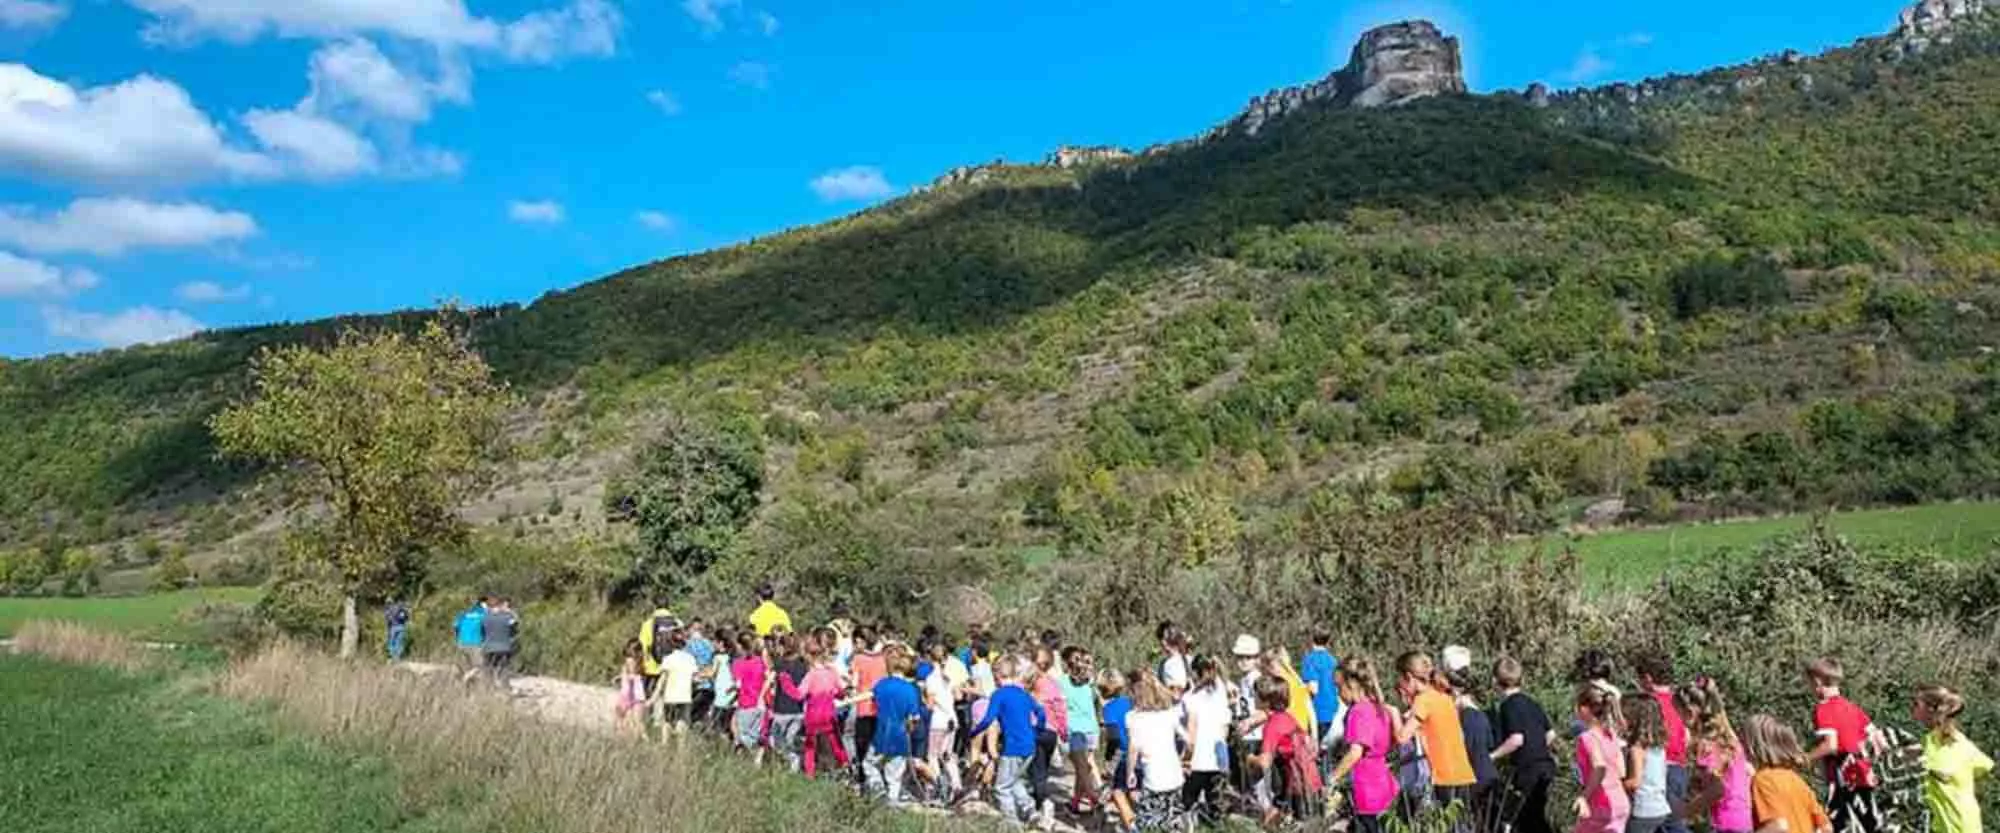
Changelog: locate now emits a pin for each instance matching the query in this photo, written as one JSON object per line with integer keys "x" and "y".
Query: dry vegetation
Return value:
{"x": 71, "y": 642}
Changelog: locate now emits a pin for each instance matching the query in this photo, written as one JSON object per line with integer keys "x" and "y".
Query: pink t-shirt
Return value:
{"x": 1374, "y": 786}
{"x": 748, "y": 673}
{"x": 1049, "y": 693}
{"x": 822, "y": 687}
{"x": 1610, "y": 807}
{"x": 1732, "y": 811}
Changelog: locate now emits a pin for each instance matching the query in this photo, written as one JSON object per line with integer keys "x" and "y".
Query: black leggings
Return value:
{"x": 1366, "y": 824}
{"x": 864, "y": 738}
{"x": 1203, "y": 794}
{"x": 1526, "y": 806}
{"x": 1038, "y": 768}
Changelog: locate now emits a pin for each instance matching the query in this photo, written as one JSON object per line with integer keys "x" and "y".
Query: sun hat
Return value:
{"x": 1247, "y": 647}
{"x": 1457, "y": 658}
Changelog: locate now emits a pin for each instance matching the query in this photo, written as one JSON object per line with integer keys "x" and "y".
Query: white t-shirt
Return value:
{"x": 982, "y": 676}
{"x": 1246, "y": 704}
{"x": 1209, "y": 708}
{"x": 1174, "y": 672}
{"x": 677, "y": 677}
{"x": 1158, "y": 760}
{"x": 725, "y": 680}
{"x": 944, "y": 709}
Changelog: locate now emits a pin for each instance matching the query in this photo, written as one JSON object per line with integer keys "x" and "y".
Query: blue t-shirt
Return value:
{"x": 703, "y": 652}
{"x": 924, "y": 669}
{"x": 1115, "y": 711}
{"x": 1019, "y": 716}
{"x": 1320, "y": 667}
{"x": 896, "y": 704}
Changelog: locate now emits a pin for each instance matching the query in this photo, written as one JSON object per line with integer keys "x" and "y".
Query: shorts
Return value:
{"x": 1081, "y": 742}
{"x": 675, "y": 713}
{"x": 1119, "y": 783}
{"x": 749, "y": 728}
{"x": 498, "y": 660}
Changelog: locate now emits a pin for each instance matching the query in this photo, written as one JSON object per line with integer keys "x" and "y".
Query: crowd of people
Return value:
{"x": 1192, "y": 737}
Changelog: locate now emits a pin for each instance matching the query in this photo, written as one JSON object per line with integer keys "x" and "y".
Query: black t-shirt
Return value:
{"x": 794, "y": 670}
{"x": 1521, "y": 715}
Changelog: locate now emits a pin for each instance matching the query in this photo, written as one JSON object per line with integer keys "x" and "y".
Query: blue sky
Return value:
{"x": 167, "y": 165}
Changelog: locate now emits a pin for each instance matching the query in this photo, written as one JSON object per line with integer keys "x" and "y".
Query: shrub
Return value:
{"x": 1720, "y": 282}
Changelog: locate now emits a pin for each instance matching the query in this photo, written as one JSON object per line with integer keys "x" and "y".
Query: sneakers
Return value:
{"x": 1046, "y": 820}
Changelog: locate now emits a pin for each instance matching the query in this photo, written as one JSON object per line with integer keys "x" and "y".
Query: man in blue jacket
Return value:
{"x": 471, "y": 631}
{"x": 1020, "y": 718}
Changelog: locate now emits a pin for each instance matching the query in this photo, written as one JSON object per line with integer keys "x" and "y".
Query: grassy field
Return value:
{"x": 112, "y": 752}
{"x": 156, "y": 617}
{"x": 1960, "y": 530}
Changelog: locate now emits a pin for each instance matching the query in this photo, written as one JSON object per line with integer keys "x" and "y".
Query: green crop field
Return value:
{"x": 156, "y": 617}
{"x": 112, "y": 752}
{"x": 1958, "y": 530}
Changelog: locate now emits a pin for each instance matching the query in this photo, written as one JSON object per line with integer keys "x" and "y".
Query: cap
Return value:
{"x": 1247, "y": 647}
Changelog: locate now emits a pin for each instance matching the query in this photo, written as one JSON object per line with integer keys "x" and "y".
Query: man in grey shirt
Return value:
{"x": 500, "y": 630}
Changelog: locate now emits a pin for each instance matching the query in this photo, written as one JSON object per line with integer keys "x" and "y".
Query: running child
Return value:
{"x": 1951, "y": 762}
{"x": 1604, "y": 806}
{"x": 1646, "y": 764}
{"x": 1370, "y": 735}
{"x": 1780, "y": 801}
{"x": 1844, "y": 739}
{"x": 1720, "y": 782}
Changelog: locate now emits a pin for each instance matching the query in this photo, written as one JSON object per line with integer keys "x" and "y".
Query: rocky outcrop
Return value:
{"x": 1390, "y": 65}
{"x": 1069, "y": 156}
{"x": 964, "y": 175}
{"x": 1930, "y": 18}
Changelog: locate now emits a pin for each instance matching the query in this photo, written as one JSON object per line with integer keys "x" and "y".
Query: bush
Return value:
{"x": 1720, "y": 282}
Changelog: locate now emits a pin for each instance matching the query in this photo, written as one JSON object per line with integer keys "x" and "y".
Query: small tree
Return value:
{"x": 690, "y": 495}
{"x": 391, "y": 431}
{"x": 173, "y": 572}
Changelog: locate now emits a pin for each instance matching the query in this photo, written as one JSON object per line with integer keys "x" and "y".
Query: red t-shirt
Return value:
{"x": 1848, "y": 724}
{"x": 1282, "y": 736}
{"x": 868, "y": 669}
{"x": 1677, "y": 730}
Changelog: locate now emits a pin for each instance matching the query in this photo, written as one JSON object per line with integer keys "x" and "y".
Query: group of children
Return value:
{"x": 1183, "y": 741}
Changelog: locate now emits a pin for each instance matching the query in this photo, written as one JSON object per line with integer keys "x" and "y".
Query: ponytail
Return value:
{"x": 1944, "y": 706}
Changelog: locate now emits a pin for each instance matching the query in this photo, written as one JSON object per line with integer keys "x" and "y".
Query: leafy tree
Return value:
{"x": 82, "y": 571}
{"x": 391, "y": 430}
{"x": 690, "y": 494}
{"x": 173, "y": 572}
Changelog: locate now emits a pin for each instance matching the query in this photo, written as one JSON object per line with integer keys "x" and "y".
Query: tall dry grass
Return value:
{"x": 71, "y": 642}
{"x": 528, "y": 774}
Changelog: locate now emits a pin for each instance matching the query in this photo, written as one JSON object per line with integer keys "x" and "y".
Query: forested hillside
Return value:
{"x": 1763, "y": 287}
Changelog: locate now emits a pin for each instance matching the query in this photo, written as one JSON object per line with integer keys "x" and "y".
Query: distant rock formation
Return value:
{"x": 1926, "y": 19}
{"x": 1069, "y": 156}
{"x": 1390, "y": 65}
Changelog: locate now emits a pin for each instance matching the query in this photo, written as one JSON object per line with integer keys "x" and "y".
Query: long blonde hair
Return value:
{"x": 1710, "y": 728}
{"x": 1361, "y": 671}
{"x": 1770, "y": 744}
{"x": 1944, "y": 706}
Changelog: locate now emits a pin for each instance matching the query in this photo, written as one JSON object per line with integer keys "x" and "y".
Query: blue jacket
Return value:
{"x": 472, "y": 627}
{"x": 1019, "y": 716}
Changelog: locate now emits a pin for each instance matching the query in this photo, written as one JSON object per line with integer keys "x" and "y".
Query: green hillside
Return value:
{"x": 1721, "y": 296}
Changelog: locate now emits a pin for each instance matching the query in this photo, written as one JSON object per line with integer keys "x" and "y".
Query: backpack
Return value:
{"x": 663, "y": 627}
{"x": 1301, "y": 766}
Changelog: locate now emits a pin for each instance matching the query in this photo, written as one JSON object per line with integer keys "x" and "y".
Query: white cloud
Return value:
{"x": 584, "y": 28}
{"x": 353, "y": 76}
{"x": 112, "y": 226}
{"x": 137, "y": 325}
{"x": 22, "y": 277}
{"x": 210, "y": 292}
{"x": 144, "y": 130}
{"x": 658, "y": 220}
{"x": 1636, "y": 39}
{"x": 31, "y": 14}
{"x": 767, "y": 22}
{"x": 666, "y": 101}
{"x": 707, "y": 13}
{"x": 442, "y": 22}
{"x": 317, "y": 147}
{"x": 752, "y": 74}
{"x": 540, "y": 211}
{"x": 1589, "y": 64}
{"x": 860, "y": 182}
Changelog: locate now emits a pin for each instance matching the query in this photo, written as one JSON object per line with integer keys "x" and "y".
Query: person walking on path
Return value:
{"x": 769, "y": 618}
{"x": 501, "y": 631}
{"x": 397, "y": 616}
{"x": 1021, "y": 720}
{"x": 471, "y": 631}
{"x": 653, "y": 633}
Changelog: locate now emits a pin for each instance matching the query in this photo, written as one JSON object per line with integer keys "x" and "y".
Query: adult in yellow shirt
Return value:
{"x": 769, "y": 618}
{"x": 1434, "y": 717}
{"x": 652, "y": 642}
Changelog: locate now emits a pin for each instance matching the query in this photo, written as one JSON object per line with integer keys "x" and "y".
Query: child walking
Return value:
{"x": 1780, "y": 801}
{"x": 1153, "y": 765}
{"x": 1209, "y": 710}
{"x": 786, "y": 723}
{"x": 1049, "y": 695}
{"x": 752, "y": 674}
{"x": 942, "y": 697}
{"x": 1079, "y": 693}
{"x": 1117, "y": 742}
{"x": 1646, "y": 764}
{"x": 1525, "y": 735}
{"x": 1603, "y": 807}
{"x": 1289, "y": 755}
{"x": 1951, "y": 762}
{"x": 675, "y": 694}
{"x": 1844, "y": 739}
{"x": 1721, "y": 780}
{"x": 898, "y": 707}
{"x": 1370, "y": 735}
{"x": 1020, "y": 720}
{"x": 820, "y": 694}
{"x": 631, "y": 702}
{"x": 1433, "y": 717}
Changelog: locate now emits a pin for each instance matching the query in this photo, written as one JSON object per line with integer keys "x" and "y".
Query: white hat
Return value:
{"x": 1247, "y": 647}
{"x": 1457, "y": 658}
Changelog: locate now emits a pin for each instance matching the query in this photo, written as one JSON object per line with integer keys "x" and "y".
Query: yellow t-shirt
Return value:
{"x": 1444, "y": 739}
{"x": 769, "y": 617}
{"x": 1951, "y": 769}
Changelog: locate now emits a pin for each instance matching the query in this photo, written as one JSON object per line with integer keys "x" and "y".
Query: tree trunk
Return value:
{"x": 350, "y": 628}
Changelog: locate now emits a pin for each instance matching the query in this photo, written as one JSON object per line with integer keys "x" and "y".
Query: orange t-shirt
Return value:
{"x": 1444, "y": 740}
{"x": 1779, "y": 793}
{"x": 868, "y": 669}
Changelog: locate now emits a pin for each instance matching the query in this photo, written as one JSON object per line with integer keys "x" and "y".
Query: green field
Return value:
{"x": 107, "y": 752}
{"x": 157, "y": 617}
{"x": 1959, "y": 530}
